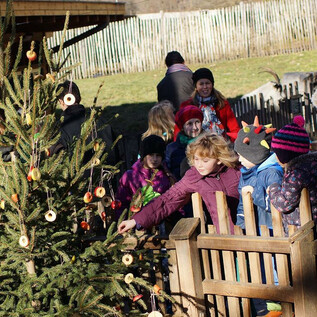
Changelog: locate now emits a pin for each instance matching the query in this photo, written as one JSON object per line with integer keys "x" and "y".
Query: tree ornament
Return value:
{"x": 36, "y": 174}
{"x": 28, "y": 119}
{"x": 15, "y": 198}
{"x": 2, "y": 203}
{"x": 24, "y": 241}
{"x": 73, "y": 259}
{"x": 135, "y": 208}
{"x": 157, "y": 289}
{"x": 127, "y": 259}
{"x": 116, "y": 204}
{"x": 69, "y": 99}
{"x": 47, "y": 152}
{"x": 106, "y": 201}
{"x": 155, "y": 314}
{"x": 103, "y": 216}
{"x": 96, "y": 146}
{"x": 137, "y": 297}
{"x": 129, "y": 278}
{"x": 29, "y": 177}
{"x": 99, "y": 191}
{"x": 88, "y": 197}
{"x": 141, "y": 257}
{"x": 85, "y": 225}
{"x": 50, "y": 216}
{"x": 31, "y": 55}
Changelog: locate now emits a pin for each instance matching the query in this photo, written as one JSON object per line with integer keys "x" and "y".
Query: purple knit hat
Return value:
{"x": 291, "y": 141}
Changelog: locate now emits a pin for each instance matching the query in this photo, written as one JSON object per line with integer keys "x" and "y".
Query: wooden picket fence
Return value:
{"x": 216, "y": 274}
{"x": 293, "y": 104}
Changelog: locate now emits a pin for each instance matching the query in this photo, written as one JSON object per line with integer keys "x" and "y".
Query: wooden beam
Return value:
{"x": 244, "y": 243}
{"x": 249, "y": 290}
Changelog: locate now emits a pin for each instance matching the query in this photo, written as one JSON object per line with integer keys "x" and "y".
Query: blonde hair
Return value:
{"x": 212, "y": 145}
{"x": 161, "y": 121}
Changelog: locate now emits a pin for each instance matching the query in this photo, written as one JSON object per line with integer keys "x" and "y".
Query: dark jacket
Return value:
{"x": 301, "y": 172}
{"x": 175, "y": 87}
{"x": 225, "y": 180}
{"x": 260, "y": 177}
{"x": 174, "y": 155}
{"x": 74, "y": 117}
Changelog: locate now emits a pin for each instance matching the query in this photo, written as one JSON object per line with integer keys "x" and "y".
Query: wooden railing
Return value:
{"x": 215, "y": 274}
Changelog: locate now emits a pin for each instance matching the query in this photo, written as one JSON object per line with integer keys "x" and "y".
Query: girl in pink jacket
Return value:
{"x": 213, "y": 168}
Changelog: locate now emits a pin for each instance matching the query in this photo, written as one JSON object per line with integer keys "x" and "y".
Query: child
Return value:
{"x": 260, "y": 169}
{"x": 189, "y": 120}
{"x": 214, "y": 168}
{"x": 291, "y": 146}
{"x": 161, "y": 121}
{"x": 152, "y": 153}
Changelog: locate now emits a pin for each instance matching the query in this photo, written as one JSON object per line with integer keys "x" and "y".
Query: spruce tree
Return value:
{"x": 50, "y": 263}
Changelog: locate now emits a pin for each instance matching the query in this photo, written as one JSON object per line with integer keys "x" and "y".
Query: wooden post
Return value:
{"x": 185, "y": 236}
{"x": 304, "y": 271}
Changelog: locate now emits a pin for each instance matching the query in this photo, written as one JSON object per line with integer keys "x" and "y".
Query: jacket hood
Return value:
{"x": 271, "y": 161}
{"x": 194, "y": 176}
{"x": 305, "y": 159}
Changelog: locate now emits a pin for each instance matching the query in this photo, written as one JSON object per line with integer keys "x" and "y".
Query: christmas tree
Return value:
{"x": 51, "y": 263}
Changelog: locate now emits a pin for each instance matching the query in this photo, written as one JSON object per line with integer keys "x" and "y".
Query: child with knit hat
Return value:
{"x": 291, "y": 145}
{"x": 188, "y": 120}
{"x": 259, "y": 170}
{"x": 148, "y": 168}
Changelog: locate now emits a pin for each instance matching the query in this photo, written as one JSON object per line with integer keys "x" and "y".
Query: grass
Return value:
{"x": 132, "y": 95}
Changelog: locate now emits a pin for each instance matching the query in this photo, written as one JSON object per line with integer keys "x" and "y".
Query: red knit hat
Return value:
{"x": 187, "y": 113}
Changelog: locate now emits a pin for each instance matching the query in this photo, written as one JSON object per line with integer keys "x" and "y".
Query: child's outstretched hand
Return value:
{"x": 126, "y": 225}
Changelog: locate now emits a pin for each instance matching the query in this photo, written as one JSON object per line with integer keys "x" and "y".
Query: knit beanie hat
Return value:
{"x": 187, "y": 113}
{"x": 203, "y": 73}
{"x": 152, "y": 144}
{"x": 253, "y": 141}
{"x": 291, "y": 141}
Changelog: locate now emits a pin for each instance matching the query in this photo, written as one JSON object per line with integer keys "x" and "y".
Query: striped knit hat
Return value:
{"x": 291, "y": 141}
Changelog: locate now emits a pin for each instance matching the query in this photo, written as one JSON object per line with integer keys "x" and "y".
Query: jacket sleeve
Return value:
{"x": 124, "y": 194}
{"x": 229, "y": 119}
{"x": 285, "y": 197}
{"x": 161, "y": 207}
{"x": 260, "y": 197}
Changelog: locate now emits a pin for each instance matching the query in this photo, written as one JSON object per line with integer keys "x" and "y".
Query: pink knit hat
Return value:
{"x": 187, "y": 113}
{"x": 291, "y": 141}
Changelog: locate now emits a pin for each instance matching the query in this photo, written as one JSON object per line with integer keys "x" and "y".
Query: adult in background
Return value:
{"x": 177, "y": 85}
{"x": 218, "y": 115}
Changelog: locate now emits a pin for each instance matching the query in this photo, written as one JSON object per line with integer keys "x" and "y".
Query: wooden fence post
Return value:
{"x": 304, "y": 271}
{"x": 185, "y": 236}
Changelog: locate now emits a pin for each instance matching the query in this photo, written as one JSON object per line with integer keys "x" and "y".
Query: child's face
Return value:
{"x": 246, "y": 163}
{"x": 192, "y": 128}
{"x": 153, "y": 160}
{"x": 205, "y": 165}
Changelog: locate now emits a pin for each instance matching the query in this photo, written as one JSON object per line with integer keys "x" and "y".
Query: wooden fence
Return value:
{"x": 245, "y": 30}
{"x": 293, "y": 104}
{"x": 217, "y": 274}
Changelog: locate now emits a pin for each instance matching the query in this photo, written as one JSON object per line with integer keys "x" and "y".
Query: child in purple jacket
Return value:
{"x": 147, "y": 169}
{"x": 213, "y": 168}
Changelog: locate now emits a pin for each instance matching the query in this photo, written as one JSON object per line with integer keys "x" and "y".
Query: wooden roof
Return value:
{"x": 47, "y": 16}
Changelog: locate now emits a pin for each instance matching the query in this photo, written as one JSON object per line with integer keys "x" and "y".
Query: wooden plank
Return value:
{"x": 250, "y": 229}
{"x": 267, "y": 258}
{"x": 243, "y": 274}
{"x": 252, "y": 290}
{"x": 184, "y": 229}
{"x": 198, "y": 211}
{"x": 305, "y": 207}
{"x": 304, "y": 272}
{"x": 217, "y": 275}
{"x": 281, "y": 259}
{"x": 244, "y": 243}
{"x": 228, "y": 256}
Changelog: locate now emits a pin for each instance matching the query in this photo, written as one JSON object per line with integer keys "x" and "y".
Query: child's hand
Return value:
{"x": 246, "y": 189}
{"x": 126, "y": 225}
